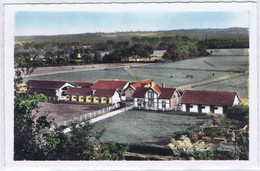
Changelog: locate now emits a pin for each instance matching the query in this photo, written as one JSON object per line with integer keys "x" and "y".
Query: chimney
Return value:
{"x": 163, "y": 85}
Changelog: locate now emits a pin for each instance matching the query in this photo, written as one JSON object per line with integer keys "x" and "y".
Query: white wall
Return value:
{"x": 59, "y": 92}
{"x": 116, "y": 98}
{"x": 236, "y": 101}
{"x": 194, "y": 108}
{"x": 183, "y": 107}
{"x": 167, "y": 103}
{"x": 219, "y": 109}
{"x": 206, "y": 110}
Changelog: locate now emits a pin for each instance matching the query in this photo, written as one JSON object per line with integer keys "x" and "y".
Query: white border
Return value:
{"x": 120, "y": 165}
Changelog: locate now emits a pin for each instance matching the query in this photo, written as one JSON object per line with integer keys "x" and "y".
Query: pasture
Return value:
{"x": 145, "y": 127}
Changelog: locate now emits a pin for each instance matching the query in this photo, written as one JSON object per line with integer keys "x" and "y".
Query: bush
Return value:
{"x": 215, "y": 132}
{"x": 189, "y": 132}
{"x": 209, "y": 155}
{"x": 240, "y": 112}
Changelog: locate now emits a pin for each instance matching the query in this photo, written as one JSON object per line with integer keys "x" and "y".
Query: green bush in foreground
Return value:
{"x": 208, "y": 155}
{"x": 215, "y": 132}
{"x": 189, "y": 132}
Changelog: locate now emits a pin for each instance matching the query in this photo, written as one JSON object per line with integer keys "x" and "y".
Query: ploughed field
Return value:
{"x": 238, "y": 84}
{"x": 145, "y": 127}
{"x": 175, "y": 74}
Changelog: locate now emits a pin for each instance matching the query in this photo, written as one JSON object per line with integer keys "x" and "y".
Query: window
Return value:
{"x": 163, "y": 103}
{"x": 63, "y": 93}
{"x": 150, "y": 94}
{"x": 150, "y": 102}
{"x": 203, "y": 107}
{"x": 215, "y": 108}
{"x": 139, "y": 102}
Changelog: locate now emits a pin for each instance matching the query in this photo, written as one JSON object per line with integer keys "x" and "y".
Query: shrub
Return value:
{"x": 185, "y": 144}
{"x": 189, "y": 132}
{"x": 215, "y": 132}
{"x": 239, "y": 112}
{"x": 209, "y": 155}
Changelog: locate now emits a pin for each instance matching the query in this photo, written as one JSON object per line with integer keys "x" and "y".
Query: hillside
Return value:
{"x": 229, "y": 33}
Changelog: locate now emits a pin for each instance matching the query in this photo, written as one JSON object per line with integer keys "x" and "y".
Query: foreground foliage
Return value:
{"x": 39, "y": 142}
{"x": 185, "y": 144}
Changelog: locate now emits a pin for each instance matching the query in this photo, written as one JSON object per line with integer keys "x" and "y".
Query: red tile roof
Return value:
{"x": 83, "y": 84}
{"x": 157, "y": 88}
{"x": 140, "y": 92}
{"x": 45, "y": 84}
{"x": 141, "y": 84}
{"x": 166, "y": 93}
{"x": 219, "y": 98}
{"x": 89, "y": 91}
{"x": 104, "y": 84}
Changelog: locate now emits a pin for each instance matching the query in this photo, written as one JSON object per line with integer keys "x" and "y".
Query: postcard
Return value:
{"x": 130, "y": 85}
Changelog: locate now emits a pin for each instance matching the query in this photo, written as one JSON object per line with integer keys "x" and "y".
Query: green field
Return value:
{"x": 145, "y": 127}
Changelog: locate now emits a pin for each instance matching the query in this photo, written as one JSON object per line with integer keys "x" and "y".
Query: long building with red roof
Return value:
{"x": 54, "y": 90}
{"x": 208, "y": 101}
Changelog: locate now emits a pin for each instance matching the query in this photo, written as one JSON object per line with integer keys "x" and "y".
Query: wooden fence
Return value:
{"x": 88, "y": 116}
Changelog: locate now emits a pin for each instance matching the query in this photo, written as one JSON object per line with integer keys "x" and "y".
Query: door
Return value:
{"x": 199, "y": 108}
{"x": 187, "y": 107}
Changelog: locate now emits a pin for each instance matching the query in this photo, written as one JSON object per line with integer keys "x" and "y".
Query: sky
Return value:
{"x": 54, "y": 23}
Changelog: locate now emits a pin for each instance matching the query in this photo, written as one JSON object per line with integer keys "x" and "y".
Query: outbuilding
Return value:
{"x": 208, "y": 101}
{"x": 54, "y": 90}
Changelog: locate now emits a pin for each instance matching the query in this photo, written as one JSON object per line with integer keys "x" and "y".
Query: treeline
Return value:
{"x": 223, "y": 44}
{"x": 73, "y": 53}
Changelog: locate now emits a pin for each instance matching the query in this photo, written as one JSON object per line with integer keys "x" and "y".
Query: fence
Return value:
{"x": 110, "y": 114}
{"x": 88, "y": 116}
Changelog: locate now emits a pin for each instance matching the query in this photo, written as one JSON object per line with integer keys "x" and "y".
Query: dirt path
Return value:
{"x": 75, "y": 68}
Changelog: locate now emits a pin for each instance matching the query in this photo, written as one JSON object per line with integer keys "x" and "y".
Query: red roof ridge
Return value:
{"x": 223, "y": 98}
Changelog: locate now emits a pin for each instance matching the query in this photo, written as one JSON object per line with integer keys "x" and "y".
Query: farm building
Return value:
{"x": 120, "y": 86}
{"x": 208, "y": 101}
{"x": 154, "y": 97}
{"x": 129, "y": 91}
{"x": 90, "y": 95}
{"x": 54, "y": 90}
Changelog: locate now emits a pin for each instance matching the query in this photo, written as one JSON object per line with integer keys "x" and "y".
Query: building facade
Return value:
{"x": 208, "y": 101}
{"x": 95, "y": 96}
{"x": 54, "y": 90}
{"x": 154, "y": 97}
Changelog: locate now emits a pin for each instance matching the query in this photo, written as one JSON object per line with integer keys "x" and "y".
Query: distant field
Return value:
{"x": 87, "y": 76}
{"x": 173, "y": 74}
{"x": 238, "y": 84}
{"x": 144, "y": 127}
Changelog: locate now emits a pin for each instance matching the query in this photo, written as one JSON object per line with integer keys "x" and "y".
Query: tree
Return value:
{"x": 24, "y": 144}
{"x": 239, "y": 112}
{"x": 97, "y": 57}
{"x": 174, "y": 52}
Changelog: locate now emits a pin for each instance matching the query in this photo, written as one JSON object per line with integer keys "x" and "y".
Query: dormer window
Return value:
{"x": 93, "y": 92}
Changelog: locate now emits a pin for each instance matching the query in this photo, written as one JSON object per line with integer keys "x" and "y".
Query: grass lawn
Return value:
{"x": 186, "y": 113}
{"x": 232, "y": 123}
